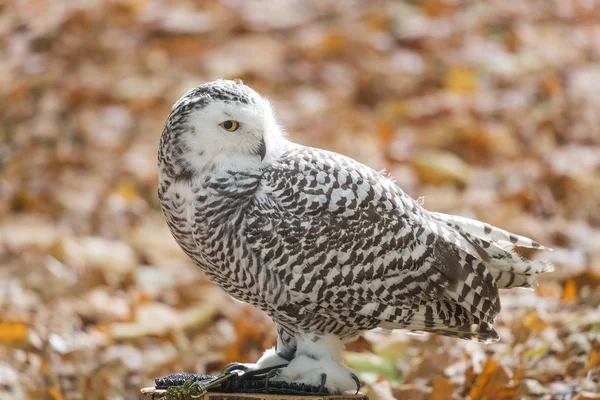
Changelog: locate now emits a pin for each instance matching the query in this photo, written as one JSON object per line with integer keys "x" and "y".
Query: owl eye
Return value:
{"x": 230, "y": 126}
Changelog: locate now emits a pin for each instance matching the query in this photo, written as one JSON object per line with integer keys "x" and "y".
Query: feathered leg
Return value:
{"x": 319, "y": 362}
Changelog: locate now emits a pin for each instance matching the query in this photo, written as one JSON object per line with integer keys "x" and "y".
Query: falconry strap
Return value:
{"x": 182, "y": 385}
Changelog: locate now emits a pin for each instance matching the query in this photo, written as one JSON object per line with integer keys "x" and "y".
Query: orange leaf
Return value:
{"x": 594, "y": 360}
{"x": 55, "y": 393}
{"x": 492, "y": 383}
{"x": 570, "y": 292}
{"x": 534, "y": 323}
{"x": 484, "y": 380}
{"x": 385, "y": 133}
{"x": 13, "y": 331}
{"x": 470, "y": 376}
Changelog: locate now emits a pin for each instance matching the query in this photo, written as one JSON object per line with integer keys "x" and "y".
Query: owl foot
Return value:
{"x": 324, "y": 373}
{"x": 269, "y": 359}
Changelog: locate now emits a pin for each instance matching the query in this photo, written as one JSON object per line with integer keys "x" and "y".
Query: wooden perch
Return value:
{"x": 157, "y": 394}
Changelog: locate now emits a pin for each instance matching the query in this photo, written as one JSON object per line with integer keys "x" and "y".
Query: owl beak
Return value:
{"x": 262, "y": 149}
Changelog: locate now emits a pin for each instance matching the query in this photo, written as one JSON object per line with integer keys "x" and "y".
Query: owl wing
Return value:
{"x": 333, "y": 234}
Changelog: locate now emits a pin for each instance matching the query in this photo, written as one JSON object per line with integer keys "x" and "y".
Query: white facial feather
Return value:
{"x": 208, "y": 142}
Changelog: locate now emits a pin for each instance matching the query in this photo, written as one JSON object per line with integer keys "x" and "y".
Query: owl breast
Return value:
{"x": 206, "y": 217}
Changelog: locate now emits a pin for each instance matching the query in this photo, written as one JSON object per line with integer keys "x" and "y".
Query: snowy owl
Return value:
{"x": 326, "y": 246}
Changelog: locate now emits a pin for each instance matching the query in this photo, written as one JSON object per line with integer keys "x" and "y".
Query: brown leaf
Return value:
{"x": 493, "y": 383}
{"x": 442, "y": 388}
{"x": 438, "y": 8}
{"x": 249, "y": 337}
{"x": 589, "y": 278}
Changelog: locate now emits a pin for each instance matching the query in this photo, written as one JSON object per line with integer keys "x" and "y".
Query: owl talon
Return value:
{"x": 234, "y": 367}
{"x": 271, "y": 374}
{"x": 356, "y": 380}
{"x": 323, "y": 382}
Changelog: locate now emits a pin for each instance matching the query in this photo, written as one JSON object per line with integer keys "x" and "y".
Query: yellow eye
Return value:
{"x": 230, "y": 126}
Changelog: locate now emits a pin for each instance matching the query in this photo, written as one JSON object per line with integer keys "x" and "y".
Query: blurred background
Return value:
{"x": 487, "y": 109}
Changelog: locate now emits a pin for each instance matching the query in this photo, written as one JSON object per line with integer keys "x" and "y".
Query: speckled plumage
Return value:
{"x": 321, "y": 243}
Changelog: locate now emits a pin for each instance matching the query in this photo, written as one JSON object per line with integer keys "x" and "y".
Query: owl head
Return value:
{"x": 220, "y": 123}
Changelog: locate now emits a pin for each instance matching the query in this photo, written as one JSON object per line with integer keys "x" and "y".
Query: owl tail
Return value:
{"x": 494, "y": 247}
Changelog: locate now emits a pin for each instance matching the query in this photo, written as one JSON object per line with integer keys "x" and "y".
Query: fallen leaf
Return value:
{"x": 570, "y": 292}
{"x": 128, "y": 192}
{"x": 585, "y": 395}
{"x": 534, "y": 322}
{"x": 461, "y": 80}
{"x": 333, "y": 44}
{"x": 534, "y": 388}
{"x": 13, "y": 332}
{"x": 385, "y": 133}
{"x": 248, "y": 337}
{"x": 380, "y": 391}
{"x": 442, "y": 388}
{"x": 369, "y": 362}
{"x": 411, "y": 392}
{"x": 594, "y": 360}
{"x": 441, "y": 167}
{"x": 551, "y": 85}
{"x": 537, "y": 352}
{"x": 55, "y": 393}
{"x": 438, "y": 8}
{"x": 492, "y": 383}
{"x": 158, "y": 319}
